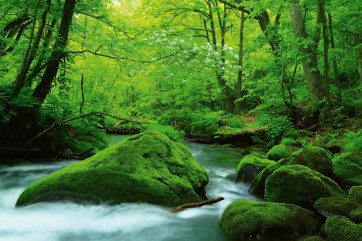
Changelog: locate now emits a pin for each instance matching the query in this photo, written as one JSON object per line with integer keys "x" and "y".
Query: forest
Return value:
{"x": 181, "y": 120}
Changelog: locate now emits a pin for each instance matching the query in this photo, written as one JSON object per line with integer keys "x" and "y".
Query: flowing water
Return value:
{"x": 125, "y": 222}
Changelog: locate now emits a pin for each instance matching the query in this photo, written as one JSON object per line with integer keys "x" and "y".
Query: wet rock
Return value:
{"x": 250, "y": 220}
{"x": 148, "y": 167}
{"x": 299, "y": 185}
{"x": 250, "y": 166}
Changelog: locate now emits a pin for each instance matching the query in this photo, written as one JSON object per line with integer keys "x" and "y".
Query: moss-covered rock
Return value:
{"x": 336, "y": 205}
{"x": 148, "y": 167}
{"x": 339, "y": 228}
{"x": 257, "y": 186}
{"x": 299, "y": 185}
{"x": 250, "y": 166}
{"x": 315, "y": 158}
{"x": 348, "y": 168}
{"x": 250, "y": 220}
{"x": 356, "y": 215}
{"x": 314, "y": 238}
{"x": 280, "y": 151}
{"x": 355, "y": 194}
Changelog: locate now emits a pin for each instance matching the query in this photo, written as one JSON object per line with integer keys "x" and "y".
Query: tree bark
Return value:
{"x": 310, "y": 59}
{"x": 19, "y": 82}
{"x": 50, "y": 73}
{"x": 240, "y": 72}
{"x": 322, "y": 14}
{"x": 334, "y": 60}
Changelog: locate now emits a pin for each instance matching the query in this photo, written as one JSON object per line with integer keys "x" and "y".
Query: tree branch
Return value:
{"x": 196, "y": 205}
{"x": 56, "y": 124}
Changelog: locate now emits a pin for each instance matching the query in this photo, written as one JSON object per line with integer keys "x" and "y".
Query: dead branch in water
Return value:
{"x": 196, "y": 205}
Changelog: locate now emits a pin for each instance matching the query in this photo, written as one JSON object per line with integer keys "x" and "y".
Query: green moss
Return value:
{"x": 169, "y": 131}
{"x": 356, "y": 215}
{"x": 336, "y": 205}
{"x": 281, "y": 151}
{"x": 250, "y": 166}
{"x": 257, "y": 186}
{"x": 314, "y": 238}
{"x": 315, "y": 158}
{"x": 148, "y": 167}
{"x": 339, "y": 228}
{"x": 249, "y": 220}
{"x": 348, "y": 167}
{"x": 299, "y": 185}
{"x": 355, "y": 194}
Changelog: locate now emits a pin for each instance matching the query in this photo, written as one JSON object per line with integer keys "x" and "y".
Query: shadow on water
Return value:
{"x": 66, "y": 221}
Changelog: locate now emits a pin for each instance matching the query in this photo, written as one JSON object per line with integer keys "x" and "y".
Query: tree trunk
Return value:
{"x": 40, "y": 63}
{"x": 334, "y": 60}
{"x": 322, "y": 14}
{"x": 19, "y": 83}
{"x": 240, "y": 72}
{"x": 50, "y": 73}
{"x": 310, "y": 59}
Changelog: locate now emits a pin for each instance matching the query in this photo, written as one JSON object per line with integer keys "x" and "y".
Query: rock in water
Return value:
{"x": 148, "y": 167}
{"x": 299, "y": 185}
{"x": 250, "y": 166}
{"x": 250, "y": 220}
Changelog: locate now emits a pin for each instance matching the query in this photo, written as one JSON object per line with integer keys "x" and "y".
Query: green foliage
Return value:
{"x": 278, "y": 127}
{"x": 353, "y": 142}
{"x": 205, "y": 123}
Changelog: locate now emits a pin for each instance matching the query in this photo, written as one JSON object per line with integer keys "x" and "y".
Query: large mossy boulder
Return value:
{"x": 250, "y": 166}
{"x": 348, "y": 168}
{"x": 148, "y": 167}
{"x": 250, "y": 220}
{"x": 315, "y": 158}
{"x": 299, "y": 185}
{"x": 280, "y": 151}
{"x": 339, "y": 228}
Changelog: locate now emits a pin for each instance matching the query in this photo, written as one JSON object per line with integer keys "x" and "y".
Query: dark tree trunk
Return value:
{"x": 316, "y": 84}
{"x": 50, "y": 73}
{"x": 240, "y": 72}
{"x": 33, "y": 47}
{"x": 334, "y": 60}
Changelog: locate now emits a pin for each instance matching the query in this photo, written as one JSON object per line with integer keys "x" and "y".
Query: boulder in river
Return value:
{"x": 315, "y": 158}
{"x": 299, "y": 185}
{"x": 339, "y": 228}
{"x": 257, "y": 186}
{"x": 281, "y": 151}
{"x": 250, "y": 166}
{"x": 250, "y": 220}
{"x": 147, "y": 167}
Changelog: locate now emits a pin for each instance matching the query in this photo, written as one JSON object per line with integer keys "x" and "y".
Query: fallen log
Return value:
{"x": 196, "y": 205}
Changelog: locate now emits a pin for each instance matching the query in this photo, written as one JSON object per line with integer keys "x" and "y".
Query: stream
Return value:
{"x": 65, "y": 221}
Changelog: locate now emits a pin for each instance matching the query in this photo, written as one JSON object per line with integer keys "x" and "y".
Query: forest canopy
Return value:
{"x": 194, "y": 65}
